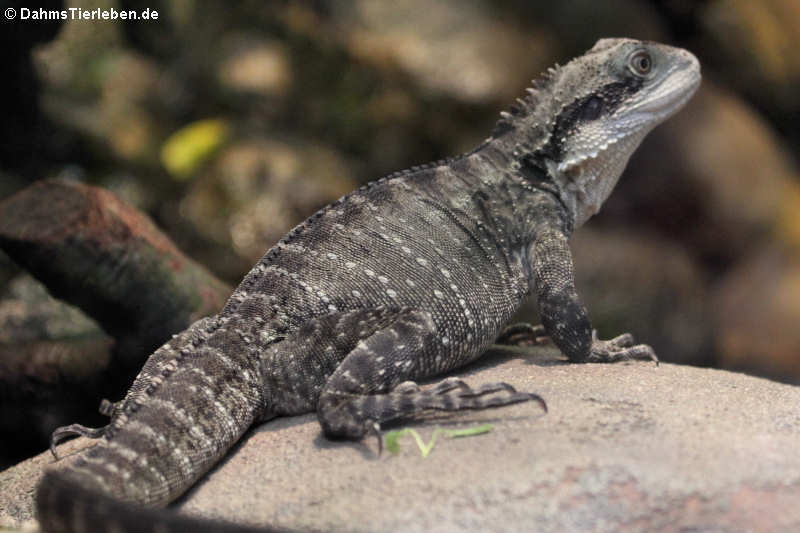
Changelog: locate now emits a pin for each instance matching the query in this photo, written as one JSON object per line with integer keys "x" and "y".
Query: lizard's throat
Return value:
{"x": 586, "y": 180}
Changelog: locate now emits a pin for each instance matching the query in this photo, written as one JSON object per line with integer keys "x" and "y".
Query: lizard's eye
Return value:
{"x": 641, "y": 63}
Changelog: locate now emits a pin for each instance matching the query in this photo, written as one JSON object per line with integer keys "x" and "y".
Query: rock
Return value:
{"x": 53, "y": 364}
{"x": 105, "y": 257}
{"x": 625, "y": 447}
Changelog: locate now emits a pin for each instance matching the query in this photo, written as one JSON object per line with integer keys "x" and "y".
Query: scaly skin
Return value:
{"x": 411, "y": 276}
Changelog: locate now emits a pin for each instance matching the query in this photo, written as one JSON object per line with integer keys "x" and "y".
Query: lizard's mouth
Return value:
{"x": 673, "y": 91}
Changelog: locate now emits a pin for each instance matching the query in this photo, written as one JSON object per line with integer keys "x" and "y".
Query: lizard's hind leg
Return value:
{"x": 523, "y": 334}
{"x": 371, "y": 385}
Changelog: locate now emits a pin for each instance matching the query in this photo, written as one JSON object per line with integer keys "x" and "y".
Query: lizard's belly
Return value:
{"x": 465, "y": 308}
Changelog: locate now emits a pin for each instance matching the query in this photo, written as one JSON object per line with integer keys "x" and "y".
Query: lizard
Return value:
{"x": 410, "y": 276}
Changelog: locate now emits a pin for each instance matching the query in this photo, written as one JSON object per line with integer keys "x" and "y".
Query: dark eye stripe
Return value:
{"x": 592, "y": 109}
{"x": 604, "y": 101}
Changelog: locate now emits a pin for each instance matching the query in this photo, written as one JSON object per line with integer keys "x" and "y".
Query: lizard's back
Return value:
{"x": 394, "y": 244}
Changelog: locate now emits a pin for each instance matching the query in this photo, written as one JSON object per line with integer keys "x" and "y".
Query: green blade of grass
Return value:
{"x": 392, "y": 438}
{"x": 469, "y": 432}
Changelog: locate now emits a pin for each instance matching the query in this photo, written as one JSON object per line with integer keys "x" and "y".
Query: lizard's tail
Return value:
{"x": 63, "y": 505}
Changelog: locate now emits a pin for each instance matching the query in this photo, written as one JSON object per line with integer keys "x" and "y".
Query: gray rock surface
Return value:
{"x": 625, "y": 447}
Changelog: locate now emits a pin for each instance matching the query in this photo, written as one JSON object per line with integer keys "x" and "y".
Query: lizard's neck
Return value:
{"x": 506, "y": 197}
{"x": 523, "y": 161}
{"x": 581, "y": 183}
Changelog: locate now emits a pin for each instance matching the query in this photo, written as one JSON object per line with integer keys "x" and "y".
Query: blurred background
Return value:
{"x": 229, "y": 123}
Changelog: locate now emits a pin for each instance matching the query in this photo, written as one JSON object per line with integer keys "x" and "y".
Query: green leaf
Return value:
{"x": 188, "y": 148}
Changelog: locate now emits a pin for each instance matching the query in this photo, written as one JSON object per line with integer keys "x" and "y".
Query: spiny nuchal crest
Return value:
{"x": 578, "y": 126}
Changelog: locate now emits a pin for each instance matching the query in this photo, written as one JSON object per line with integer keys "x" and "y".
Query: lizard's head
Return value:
{"x": 585, "y": 119}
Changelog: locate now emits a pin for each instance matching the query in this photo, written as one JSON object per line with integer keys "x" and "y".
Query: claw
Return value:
{"x": 623, "y": 341}
{"x": 526, "y": 397}
{"x": 487, "y": 388}
{"x": 73, "y": 429}
{"x": 539, "y": 399}
{"x": 449, "y": 384}
{"x": 620, "y": 348}
{"x": 375, "y": 429}
{"x": 647, "y": 350}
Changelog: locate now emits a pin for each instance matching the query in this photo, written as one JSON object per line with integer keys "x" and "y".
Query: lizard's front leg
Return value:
{"x": 371, "y": 385}
{"x": 563, "y": 314}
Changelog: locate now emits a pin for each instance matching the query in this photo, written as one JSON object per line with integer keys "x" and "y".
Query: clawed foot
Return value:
{"x": 374, "y": 429}
{"x": 355, "y": 416}
{"x": 523, "y": 334}
{"x": 452, "y": 394}
{"x": 620, "y": 348}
